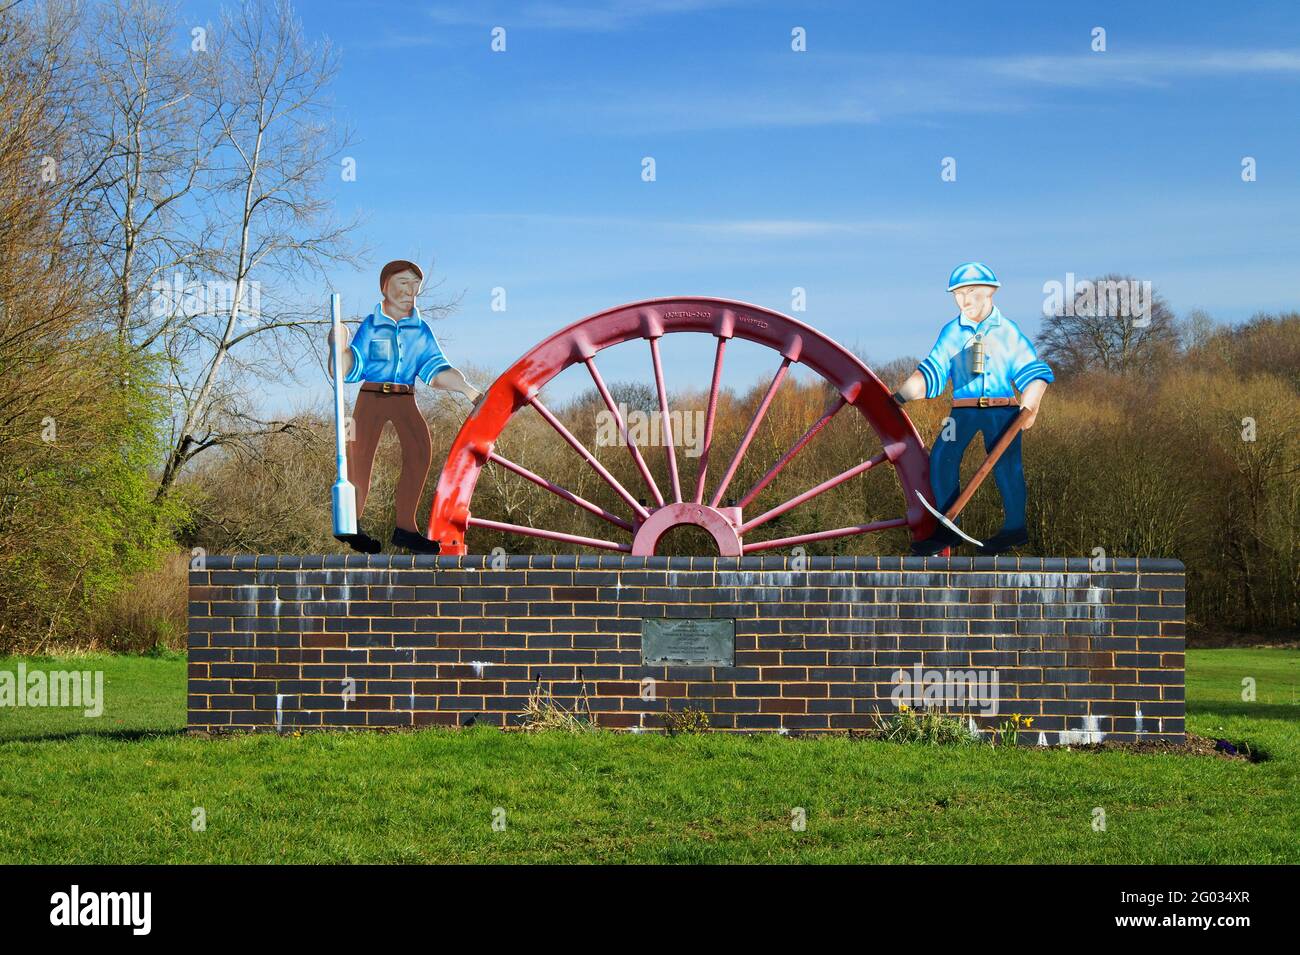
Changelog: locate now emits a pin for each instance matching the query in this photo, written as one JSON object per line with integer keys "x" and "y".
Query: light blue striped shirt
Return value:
{"x": 1009, "y": 360}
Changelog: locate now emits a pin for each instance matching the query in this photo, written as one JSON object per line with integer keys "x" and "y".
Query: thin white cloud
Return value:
{"x": 787, "y": 228}
{"x": 593, "y": 15}
{"x": 719, "y": 228}
{"x": 392, "y": 40}
{"x": 1142, "y": 69}
{"x": 850, "y": 90}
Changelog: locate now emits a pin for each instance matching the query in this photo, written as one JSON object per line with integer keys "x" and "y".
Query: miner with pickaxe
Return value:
{"x": 989, "y": 359}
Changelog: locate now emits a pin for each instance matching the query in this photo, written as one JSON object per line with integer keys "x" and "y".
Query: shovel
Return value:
{"x": 345, "y": 495}
{"x": 1004, "y": 442}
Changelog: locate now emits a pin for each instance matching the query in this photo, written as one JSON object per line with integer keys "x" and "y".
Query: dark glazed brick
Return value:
{"x": 816, "y": 651}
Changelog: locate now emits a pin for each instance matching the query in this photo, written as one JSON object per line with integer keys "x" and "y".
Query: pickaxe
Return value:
{"x": 948, "y": 520}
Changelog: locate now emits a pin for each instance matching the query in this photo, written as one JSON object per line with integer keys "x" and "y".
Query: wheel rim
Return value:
{"x": 642, "y": 528}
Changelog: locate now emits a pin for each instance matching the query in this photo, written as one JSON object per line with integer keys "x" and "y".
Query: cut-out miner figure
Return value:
{"x": 989, "y": 359}
{"x": 392, "y": 347}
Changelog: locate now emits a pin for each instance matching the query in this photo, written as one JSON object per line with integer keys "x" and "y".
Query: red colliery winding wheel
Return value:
{"x": 693, "y": 499}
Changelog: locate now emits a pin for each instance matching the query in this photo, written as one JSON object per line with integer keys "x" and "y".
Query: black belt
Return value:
{"x": 388, "y": 388}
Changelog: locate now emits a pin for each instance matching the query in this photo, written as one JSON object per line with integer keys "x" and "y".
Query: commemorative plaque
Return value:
{"x": 688, "y": 641}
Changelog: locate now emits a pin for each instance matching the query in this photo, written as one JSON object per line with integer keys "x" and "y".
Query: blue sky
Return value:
{"x": 818, "y": 169}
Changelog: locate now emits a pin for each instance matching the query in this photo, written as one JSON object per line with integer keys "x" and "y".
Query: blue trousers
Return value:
{"x": 1009, "y": 472}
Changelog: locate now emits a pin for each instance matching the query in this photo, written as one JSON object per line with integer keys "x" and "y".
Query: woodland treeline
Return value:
{"x": 131, "y": 437}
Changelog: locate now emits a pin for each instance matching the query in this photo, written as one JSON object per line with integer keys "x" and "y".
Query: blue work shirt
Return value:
{"x": 398, "y": 351}
{"x": 1009, "y": 359}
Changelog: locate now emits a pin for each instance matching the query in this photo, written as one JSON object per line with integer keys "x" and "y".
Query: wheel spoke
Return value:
{"x": 708, "y": 420}
{"x": 812, "y": 492}
{"x": 794, "y": 449}
{"x": 824, "y": 535}
{"x": 622, "y": 430}
{"x": 587, "y": 456}
{"x": 559, "y": 491}
{"x": 665, "y": 425}
{"x": 749, "y": 432}
{"x": 549, "y": 535}
{"x": 693, "y": 482}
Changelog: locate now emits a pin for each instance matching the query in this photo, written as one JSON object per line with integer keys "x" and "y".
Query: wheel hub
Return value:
{"x": 719, "y": 522}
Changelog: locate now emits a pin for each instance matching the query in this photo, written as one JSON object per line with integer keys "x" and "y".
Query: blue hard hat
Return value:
{"x": 972, "y": 273}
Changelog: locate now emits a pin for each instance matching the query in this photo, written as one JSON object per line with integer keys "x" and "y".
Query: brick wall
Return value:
{"x": 393, "y": 641}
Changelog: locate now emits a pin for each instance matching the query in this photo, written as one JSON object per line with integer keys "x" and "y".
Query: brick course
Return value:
{"x": 444, "y": 641}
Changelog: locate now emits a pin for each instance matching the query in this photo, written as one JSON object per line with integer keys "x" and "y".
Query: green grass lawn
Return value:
{"x": 122, "y": 788}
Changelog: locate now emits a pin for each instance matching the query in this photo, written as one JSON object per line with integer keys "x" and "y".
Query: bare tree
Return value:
{"x": 266, "y": 85}
{"x": 147, "y": 137}
{"x": 1113, "y": 323}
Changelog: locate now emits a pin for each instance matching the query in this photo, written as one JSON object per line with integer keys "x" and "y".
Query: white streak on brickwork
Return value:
{"x": 1040, "y": 582}
{"x": 1091, "y": 733}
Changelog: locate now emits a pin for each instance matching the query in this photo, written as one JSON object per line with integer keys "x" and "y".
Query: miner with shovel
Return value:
{"x": 988, "y": 360}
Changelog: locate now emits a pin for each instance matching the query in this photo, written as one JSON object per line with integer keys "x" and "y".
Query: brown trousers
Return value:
{"x": 371, "y": 412}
